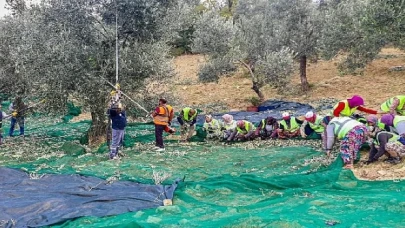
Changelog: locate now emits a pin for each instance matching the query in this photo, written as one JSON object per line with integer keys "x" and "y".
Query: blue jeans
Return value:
{"x": 20, "y": 122}
{"x": 117, "y": 139}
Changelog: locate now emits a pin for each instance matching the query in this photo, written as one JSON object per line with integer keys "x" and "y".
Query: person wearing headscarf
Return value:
{"x": 228, "y": 126}
{"x": 373, "y": 121}
{"x": 349, "y": 106}
{"x": 312, "y": 127}
{"x": 267, "y": 128}
{"x": 385, "y": 143}
{"x": 245, "y": 130}
{"x": 351, "y": 133}
{"x": 394, "y": 105}
{"x": 289, "y": 126}
{"x": 212, "y": 127}
{"x": 398, "y": 122}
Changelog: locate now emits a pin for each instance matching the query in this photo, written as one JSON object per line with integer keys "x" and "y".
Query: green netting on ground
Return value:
{"x": 72, "y": 112}
{"x": 252, "y": 184}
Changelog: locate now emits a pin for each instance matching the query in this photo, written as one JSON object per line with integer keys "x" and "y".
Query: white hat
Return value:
{"x": 309, "y": 115}
{"x": 285, "y": 114}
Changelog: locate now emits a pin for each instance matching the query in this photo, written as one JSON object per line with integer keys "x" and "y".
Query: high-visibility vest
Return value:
{"x": 164, "y": 116}
{"x": 394, "y": 137}
{"x": 317, "y": 125}
{"x": 186, "y": 112}
{"x": 343, "y": 125}
{"x": 387, "y": 104}
{"x": 398, "y": 119}
{"x": 214, "y": 125}
{"x": 248, "y": 127}
{"x": 380, "y": 124}
{"x": 294, "y": 125}
{"x": 347, "y": 111}
{"x": 231, "y": 126}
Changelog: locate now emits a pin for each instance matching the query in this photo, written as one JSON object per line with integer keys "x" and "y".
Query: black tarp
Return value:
{"x": 273, "y": 108}
{"x": 53, "y": 198}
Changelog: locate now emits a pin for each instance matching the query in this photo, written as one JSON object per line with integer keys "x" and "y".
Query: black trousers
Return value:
{"x": 159, "y": 135}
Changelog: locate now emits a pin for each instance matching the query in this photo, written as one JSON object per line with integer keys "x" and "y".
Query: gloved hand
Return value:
{"x": 14, "y": 114}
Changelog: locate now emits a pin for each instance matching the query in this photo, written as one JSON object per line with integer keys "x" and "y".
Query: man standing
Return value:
{"x": 118, "y": 122}
{"x": 162, "y": 117}
{"x": 18, "y": 109}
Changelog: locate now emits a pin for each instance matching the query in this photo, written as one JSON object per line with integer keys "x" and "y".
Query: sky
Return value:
{"x": 2, "y": 10}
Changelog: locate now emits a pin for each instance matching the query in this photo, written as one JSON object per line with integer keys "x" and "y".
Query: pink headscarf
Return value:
{"x": 355, "y": 101}
{"x": 372, "y": 118}
{"x": 227, "y": 118}
{"x": 388, "y": 119}
{"x": 240, "y": 123}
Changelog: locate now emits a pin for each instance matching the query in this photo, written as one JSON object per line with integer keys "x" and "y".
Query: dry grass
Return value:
{"x": 379, "y": 170}
{"x": 375, "y": 85}
{"x": 81, "y": 117}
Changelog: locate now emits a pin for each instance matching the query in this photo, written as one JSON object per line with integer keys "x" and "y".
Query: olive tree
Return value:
{"x": 65, "y": 49}
{"x": 246, "y": 41}
{"x": 360, "y": 29}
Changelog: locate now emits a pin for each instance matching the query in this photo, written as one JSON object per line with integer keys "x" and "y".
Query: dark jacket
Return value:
{"x": 119, "y": 120}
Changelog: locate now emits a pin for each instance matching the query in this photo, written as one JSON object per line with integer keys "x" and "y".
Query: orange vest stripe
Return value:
{"x": 164, "y": 116}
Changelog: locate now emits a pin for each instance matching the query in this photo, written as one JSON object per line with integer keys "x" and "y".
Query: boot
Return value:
{"x": 395, "y": 161}
{"x": 22, "y": 131}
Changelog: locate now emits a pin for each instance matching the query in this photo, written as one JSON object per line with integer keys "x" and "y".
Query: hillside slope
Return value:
{"x": 376, "y": 85}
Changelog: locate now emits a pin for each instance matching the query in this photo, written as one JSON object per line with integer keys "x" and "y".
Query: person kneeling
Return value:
{"x": 228, "y": 126}
{"x": 385, "y": 143}
{"x": 187, "y": 120}
{"x": 289, "y": 127}
{"x": 212, "y": 127}
{"x": 267, "y": 128}
{"x": 312, "y": 128}
{"x": 245, "y": 130}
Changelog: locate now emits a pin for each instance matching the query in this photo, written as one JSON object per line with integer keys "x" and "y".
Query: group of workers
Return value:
{"x": 386, "y": 134}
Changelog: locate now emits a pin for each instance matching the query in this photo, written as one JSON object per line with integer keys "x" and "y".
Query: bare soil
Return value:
{"x": 376, "y": 85}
